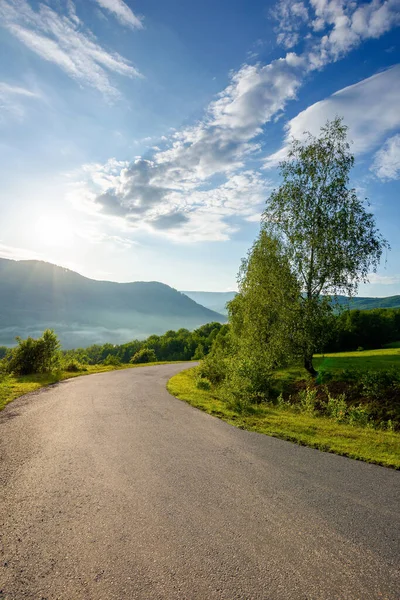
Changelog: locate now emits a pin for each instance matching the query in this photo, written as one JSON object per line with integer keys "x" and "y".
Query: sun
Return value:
{"x": 54, "y": 230}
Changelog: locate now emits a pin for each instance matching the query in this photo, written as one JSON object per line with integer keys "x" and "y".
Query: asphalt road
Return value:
{"x": 112, "y": 489}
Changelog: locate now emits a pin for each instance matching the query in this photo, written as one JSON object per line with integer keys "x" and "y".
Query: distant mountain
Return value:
{"x": 217, "y": 301}
{"x": 212, "y": 300}
{"x": 35, "y": 295}
{"x": 368, "y": 303}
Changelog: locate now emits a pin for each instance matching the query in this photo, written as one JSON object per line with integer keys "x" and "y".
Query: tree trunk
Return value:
{"x": 309, "y": 366}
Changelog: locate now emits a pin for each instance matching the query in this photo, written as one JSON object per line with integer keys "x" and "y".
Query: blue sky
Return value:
{"x": 140, "y": 139}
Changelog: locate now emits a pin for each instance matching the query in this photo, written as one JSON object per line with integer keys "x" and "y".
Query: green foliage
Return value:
{"x": 329, "y": 237}
{"x": 248, "y": 381}
{"x": 365, "y": 329}
{"x": 214, "y": 367}
{"x": 375, "y": 384}
{"x": 111, "y": 360}
{"x": 35, "y": 355}
{"x": 173, "y": 345}
{"x": 145, "y": 355}
{"x": 308, "y": 400}
{"x": 336, "y": 407}
{"x": 359, "y": 415}
{"x": 323, "y": 376}
{"x": 263, "y": 323}
{"x": 202, "y": 383}
{"x": 73, "y": 366}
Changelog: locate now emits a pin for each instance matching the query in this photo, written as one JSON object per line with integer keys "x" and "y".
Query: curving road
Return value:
{"x": 112, "y": 489}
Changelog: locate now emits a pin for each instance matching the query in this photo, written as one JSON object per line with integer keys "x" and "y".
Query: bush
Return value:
{"x": 35, "y": 356}
{"x": 358, "y": 415}
{"x": 336, "y": 407}
{"x": 111, "y": 360}
{"x": 203, "y": 384}
{"x": 145, "y": 355}
{"x": 375, "y": 385}
{"x": 214, "y": 367}
{"x": 247, "y": 382}
{"x": 324, "y": 376}
{"x": 308, "y": 400}
{"x": 73, "y": 366}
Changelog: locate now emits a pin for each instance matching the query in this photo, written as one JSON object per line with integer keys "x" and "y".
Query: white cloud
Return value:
{"x": 386, "y": 163}
{"x": 332, "y": 28}
{"x": 60, "y": 39}
{"x": 291, "y": 17}
{"x": 383, "y": 279}
{"x": 122, "y": 12}
{"x": 168, "y": 192}
{"x": 12, "y": 99}
{"x": 370, "y": 108}
{"x": 200, "y": 185}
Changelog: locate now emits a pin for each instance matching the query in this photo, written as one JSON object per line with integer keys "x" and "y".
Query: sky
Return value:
{"x": 139, "y": 140}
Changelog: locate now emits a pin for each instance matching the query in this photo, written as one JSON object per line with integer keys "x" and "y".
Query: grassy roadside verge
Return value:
{"x": 11, "y": 387}
{"x": 370, "y": 445}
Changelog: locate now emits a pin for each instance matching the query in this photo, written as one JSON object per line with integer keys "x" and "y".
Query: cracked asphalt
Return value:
{"x": 113, "y": 489}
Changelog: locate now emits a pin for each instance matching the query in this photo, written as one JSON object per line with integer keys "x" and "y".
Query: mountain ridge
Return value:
{"x": 217, "y": 300}
{"x": 36, "y": 294}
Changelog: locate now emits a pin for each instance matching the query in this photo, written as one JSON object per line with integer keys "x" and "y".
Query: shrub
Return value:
{"x": 35, "y": 356}
{"x": 73, "y": 366}
{"x": 336, "y": 407}
{"x": 145, "y": 355}
{"x": 324, "y": 376}
{"x": 111, "y": 360}
{"x": 358, "y": 415}
{"x": 214, "y": 367}
{"x": 375, "y": 384}
{"x": 203, "y": 384}
{"x": 308, "y": 400}
{"x": 247, "y": 382}
{"x": 280, "y": 402}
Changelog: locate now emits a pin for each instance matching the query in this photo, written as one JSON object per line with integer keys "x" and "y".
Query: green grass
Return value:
{"x": 370, "y": 445}
{"x": 12, "y": 387}
{"x": 366, "y": 360}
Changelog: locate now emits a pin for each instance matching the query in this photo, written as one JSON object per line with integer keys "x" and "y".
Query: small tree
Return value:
{"x": 145, "y": 355}
{"x": 330, "y": 238}
{"x": 31, "y": 356}
{"x": 263, "y": 321}
{"x": 111, "y": 360}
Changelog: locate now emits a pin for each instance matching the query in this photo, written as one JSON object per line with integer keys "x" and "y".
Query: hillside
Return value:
{"x": 35, "y": 295}
{"x": 368, "y": 303}
{"x": 217, "y": 301}
{"x": 212, "y": 300}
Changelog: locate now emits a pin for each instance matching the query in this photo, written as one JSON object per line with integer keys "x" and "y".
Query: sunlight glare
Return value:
{"x": 54, "y": 230}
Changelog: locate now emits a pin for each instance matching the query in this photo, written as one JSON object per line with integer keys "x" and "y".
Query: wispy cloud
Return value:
{"x": 383, "y": 279}
{"x": 122, "y": 12}
{"x": 171, "y": 191}
{"x": 60, "y": 39}
{"x": 370, "y": 108}
{"x": 200, "y": 185}
{"x": 386, "y": 163}
{"x": 12, "y": 99}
